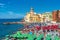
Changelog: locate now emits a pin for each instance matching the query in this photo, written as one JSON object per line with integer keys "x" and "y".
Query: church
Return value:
{"x": 33, "y": 17}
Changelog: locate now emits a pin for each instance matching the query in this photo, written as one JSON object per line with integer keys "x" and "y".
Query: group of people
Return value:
{"x": 49, "y": 32}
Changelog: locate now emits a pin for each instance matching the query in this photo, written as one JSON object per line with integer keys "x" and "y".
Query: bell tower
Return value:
{"x": 31, "y": 11}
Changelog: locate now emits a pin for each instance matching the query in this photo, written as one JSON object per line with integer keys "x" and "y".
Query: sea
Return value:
{"x": 7, "y": 29}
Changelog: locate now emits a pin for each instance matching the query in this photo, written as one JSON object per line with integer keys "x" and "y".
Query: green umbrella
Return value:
{"x": 24, "y": 35}
{"x": 7, "y": 39}
{"x": 18, "y": 32}
{"x": 56, "y": 38}
{"x": 11, "y": 35}
{"x": 7, "y": 35}
{"x": 34, "y": 36}
{"x": 14, "y": 35}
{"x": 40, "y": 36}
{"x": 59, "y": 38}
{"x": 48, "y": 37}
{"x": 30, "y": 37}
{"x": 17, "y": 35}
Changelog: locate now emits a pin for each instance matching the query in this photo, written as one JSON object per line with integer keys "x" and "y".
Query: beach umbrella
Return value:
{"x": 54, "y": 27}
{"x": 48, "y": 27}
{"x": 14, "y": 35}
{"x": 30, "y": 26}
{"x": 40, "y": 36}
{"x": 56, "y": 38}
{"x": 48, "y": 37}
{"x": 7, "y": 35}
{"x": 30, "y": 32}
{"x": 7, "y": 39}
{"x": 59, "y": 38}
{"x": 32, "y": 29}
{"x": 25, "y": 35}
{"x": 44, "y": 28}
{"x": 11, "y": 35}
{"x": 30, "y": 37}
{"x": 17, "y": 36}
{"x": 34, "y": 35}
{"x": 19, "y": 33}
{"x": 38, "y": 28}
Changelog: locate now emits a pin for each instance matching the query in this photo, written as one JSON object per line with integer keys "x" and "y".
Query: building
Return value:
{"x": 32, "y": 16}
{"x": 56, "y": 16}
{"x": 48, "y": 16}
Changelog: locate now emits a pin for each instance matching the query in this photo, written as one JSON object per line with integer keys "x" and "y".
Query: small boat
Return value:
{"x": 7, "y": 23}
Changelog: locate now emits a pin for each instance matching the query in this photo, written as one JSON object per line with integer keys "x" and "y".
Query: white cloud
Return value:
{"x": 10, "y": 12}
{"x": 47, "y": 12}
{"x": 2, "y": 5}
{"x": 11, "y": 15}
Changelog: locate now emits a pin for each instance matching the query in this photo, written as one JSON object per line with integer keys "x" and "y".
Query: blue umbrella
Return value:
{"x": 30, "y": 33}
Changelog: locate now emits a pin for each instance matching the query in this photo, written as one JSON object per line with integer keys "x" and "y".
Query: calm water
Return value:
{"x": 9, "y": 29}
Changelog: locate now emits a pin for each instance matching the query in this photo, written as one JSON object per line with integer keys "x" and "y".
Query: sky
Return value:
{"x": 19, "y": 8}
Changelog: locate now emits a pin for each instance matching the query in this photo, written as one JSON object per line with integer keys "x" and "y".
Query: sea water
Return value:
{"x": 6, "y": 29}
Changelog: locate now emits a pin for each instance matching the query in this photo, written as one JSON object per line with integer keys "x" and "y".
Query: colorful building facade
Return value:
{"x": 56, "y": 15}
{"x": 32, "y": 16}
